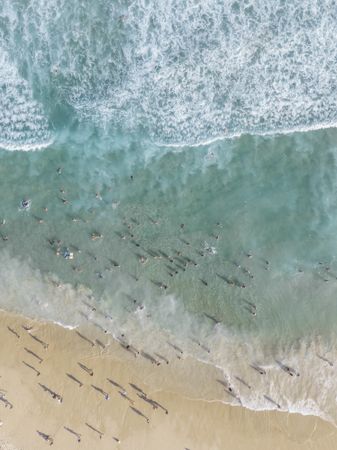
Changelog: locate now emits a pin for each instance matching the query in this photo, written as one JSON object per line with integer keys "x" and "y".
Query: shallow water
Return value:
{"x": 226, "y": 249}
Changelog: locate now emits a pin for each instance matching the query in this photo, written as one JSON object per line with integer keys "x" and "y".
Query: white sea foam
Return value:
{"x": 26, "y": 291}
{"x": 163, "y": 322}
{"x": 188, "y": 72}
{"x": 23, "y": 125}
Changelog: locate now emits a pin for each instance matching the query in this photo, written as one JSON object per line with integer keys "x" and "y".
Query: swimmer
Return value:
{"x": 184, "y": 241}
{"x": 114, "y": 263}
{"x": 252, "y": 311}
{"x": 94, "y": 236}
{"x": 25, "y": 204}
{"x": 153, "y": 221}
{"x": 67, "y": 254}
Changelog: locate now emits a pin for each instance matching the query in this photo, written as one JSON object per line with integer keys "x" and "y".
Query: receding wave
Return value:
{"x": 150, "y": 329}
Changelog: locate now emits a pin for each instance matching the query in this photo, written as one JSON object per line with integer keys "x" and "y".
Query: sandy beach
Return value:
{"x": 86, "y": 410}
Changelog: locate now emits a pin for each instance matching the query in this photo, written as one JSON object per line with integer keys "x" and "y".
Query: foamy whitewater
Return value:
{"x": 169, "y": 202}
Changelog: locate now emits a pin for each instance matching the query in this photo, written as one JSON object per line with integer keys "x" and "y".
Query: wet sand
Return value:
{"x": 57, "y": 392}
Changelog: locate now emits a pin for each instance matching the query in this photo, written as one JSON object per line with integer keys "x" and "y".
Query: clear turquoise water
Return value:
{"x": 151, "y": 116}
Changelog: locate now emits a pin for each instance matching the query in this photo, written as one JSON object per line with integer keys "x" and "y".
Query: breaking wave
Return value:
{"x": 184, "y": 72}
{"x": 23, "y": 125}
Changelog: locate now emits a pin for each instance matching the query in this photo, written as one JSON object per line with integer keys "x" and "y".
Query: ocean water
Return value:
{"x": 178, "y": 162}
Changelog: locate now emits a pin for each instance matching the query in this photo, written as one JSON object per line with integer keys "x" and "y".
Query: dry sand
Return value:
{"x": 190, "y": 423}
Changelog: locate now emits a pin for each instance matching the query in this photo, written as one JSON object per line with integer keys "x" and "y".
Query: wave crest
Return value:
{"x": 186, "y": 72}
{"x": 23, "y": 125}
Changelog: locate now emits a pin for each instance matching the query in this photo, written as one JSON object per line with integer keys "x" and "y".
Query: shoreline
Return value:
{"x": 189, "y": 423}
